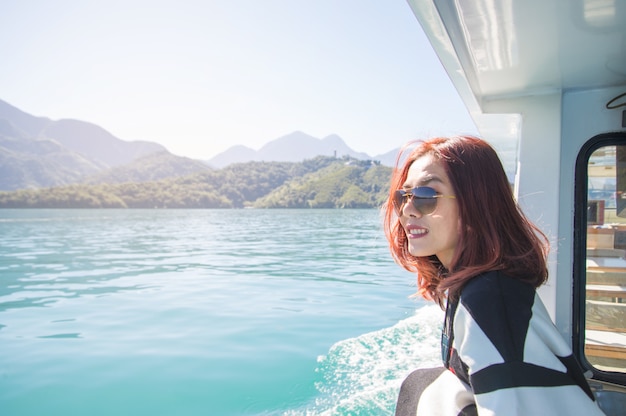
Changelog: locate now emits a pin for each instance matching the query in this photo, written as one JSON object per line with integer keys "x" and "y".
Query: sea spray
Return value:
{"x": 362, "y": 375}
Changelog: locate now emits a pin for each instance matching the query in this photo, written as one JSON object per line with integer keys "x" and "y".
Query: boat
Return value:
{"x": 547, "y": 81}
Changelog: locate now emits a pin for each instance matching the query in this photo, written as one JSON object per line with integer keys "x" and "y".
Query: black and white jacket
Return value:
{"x": 505, "y": 357}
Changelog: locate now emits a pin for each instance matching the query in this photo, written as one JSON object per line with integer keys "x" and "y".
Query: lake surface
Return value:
{"x": 205, "y": 312}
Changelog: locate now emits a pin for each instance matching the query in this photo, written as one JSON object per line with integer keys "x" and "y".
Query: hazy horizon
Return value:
{"x": 200, "y": 77}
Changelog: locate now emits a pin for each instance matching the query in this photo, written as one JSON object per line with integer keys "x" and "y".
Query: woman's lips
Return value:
{"x": 414, "y": 231}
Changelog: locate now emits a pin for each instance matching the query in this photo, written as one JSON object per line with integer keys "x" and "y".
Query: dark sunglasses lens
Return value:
{"x": 399, "y": 199}
{"x": 425, "y": 192}
{"x": 424, "y": 199}
{"x": 425, "y": 206}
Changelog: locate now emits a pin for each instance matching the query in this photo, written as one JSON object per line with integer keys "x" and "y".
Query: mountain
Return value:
{"x": 97, "y": 144}
{"x": 389, "y": 158}
{"x": 29, "y": 125}
{"x": 294, "y": 147}
{"x": 346, "y": 183}
{"x": 234, "y": 154}
{"x": 153, "y": 167}
{"x": 321, "y": 182}
{"x": 27, "y": 162}
{"x": 40, "y": 152}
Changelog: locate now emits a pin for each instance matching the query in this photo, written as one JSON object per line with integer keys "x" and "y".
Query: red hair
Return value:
{"x": 494, "y": 233}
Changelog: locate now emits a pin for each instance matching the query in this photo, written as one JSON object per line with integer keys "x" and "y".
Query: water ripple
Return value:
{"x": 201, "y": 304}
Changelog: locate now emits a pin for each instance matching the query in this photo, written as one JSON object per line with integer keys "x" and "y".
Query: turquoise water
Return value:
{"x": 205, "y": 312}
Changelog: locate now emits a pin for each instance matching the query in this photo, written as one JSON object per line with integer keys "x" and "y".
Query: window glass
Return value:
{"x": 605, "y": 291}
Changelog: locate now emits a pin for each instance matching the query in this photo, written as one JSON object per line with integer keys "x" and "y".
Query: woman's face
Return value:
{"x": 436, "y": 233}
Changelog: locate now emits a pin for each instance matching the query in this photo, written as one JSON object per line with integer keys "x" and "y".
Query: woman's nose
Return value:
{"x": 409, "y": 210}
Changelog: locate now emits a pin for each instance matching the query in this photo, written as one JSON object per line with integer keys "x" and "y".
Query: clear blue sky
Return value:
{"x": 201, "y": 76}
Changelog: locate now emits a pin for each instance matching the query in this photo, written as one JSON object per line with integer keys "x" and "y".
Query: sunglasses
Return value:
{"x": 423, "y": 198}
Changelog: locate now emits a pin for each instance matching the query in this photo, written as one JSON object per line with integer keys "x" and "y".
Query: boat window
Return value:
{"x": 602, "y": 322}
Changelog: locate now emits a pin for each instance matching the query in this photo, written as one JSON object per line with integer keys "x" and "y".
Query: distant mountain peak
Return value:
{"x": 293, "y": 147}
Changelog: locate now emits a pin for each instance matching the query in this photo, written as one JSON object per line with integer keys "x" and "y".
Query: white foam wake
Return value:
{"x": 362, "y": 375}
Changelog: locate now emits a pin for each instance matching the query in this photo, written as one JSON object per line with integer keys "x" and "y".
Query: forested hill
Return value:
{"x": 322, "y": 182}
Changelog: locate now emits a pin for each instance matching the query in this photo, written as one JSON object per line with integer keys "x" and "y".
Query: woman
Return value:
{"x": 452, "y": 219}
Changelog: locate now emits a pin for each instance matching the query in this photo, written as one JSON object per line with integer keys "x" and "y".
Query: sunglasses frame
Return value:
{"x": 420, "y": 203}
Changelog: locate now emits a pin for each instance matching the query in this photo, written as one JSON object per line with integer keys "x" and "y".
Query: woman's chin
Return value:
{"x": 419, "y": 252}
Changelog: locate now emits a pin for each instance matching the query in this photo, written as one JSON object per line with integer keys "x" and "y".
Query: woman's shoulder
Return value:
{"x": 495, "y": 290}
{"x": 502, "y": 307}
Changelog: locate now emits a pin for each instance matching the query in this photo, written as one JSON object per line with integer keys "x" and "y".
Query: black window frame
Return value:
{"x": 580, "y": 252}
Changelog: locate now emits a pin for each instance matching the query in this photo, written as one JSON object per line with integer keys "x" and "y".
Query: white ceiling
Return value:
{"x": 513, "y": 47}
